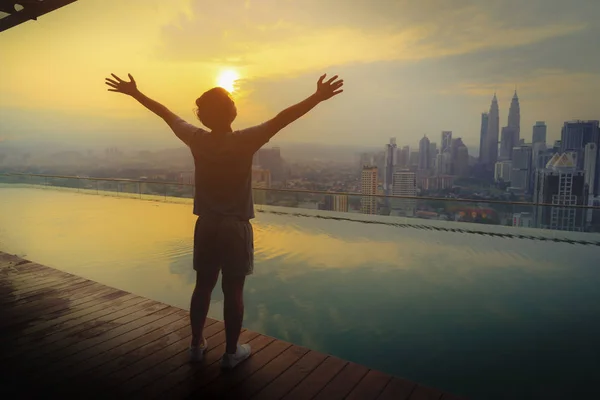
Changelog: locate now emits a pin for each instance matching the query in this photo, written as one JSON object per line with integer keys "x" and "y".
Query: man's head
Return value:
{"x": 216, "y": 109}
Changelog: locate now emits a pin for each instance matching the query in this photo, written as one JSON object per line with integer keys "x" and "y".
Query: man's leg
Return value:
{"x": 233, "y": 291}
{"x": 205, "y": 283}
{"x": 206, "y": 265}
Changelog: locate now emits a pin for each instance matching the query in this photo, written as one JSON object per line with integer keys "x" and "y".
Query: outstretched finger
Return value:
{"x": 338, "y": 91}
{"x": 108, "y": 80}
{"x": 331, "y": 79}
{"x": 321, "y": 78}
{"x": 337, "y": 84}
{"x": 131, "y": 78}
{"x": 117, "y": 78}
{"x": 113, "y": 90}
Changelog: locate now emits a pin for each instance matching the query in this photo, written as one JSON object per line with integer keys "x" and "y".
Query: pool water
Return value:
{"x": 472, "y": 314}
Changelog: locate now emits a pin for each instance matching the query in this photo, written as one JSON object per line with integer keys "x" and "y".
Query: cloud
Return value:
{"x": 278, "y": 37}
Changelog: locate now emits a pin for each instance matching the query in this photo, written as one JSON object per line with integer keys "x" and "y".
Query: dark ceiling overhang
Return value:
{"x": 20, "y": 11}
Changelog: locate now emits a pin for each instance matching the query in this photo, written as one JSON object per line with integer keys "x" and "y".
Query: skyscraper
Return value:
{"x": 446, "y": 141}
{"x": 514, "y": 118}
{"x": 590, "y": 161}
{"x": 520, "y": 176}
{"x": 507, "y": 143}
{"x": 490, "y": 156}
{"x": 368, "y": 188}
{"x": 483, "y": 136}
{"x": 405, "y": 184}
{"x": 404, "y": 157}
{"x": 390, "y": 162}
{"x": 575, "y": 136}
{"x": 424, "y": 156}
{"x": 432, "y": 154}
{"x": 539, "y": 133}
{"x": 560, "y": 184}
{"x": 503, "y": 170}
{"x": 459, "y": 155}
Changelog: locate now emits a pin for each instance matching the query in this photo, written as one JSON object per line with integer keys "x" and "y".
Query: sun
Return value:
{"x": 227, "y": 78}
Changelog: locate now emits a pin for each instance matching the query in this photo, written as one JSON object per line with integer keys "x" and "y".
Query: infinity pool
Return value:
{"x": 483, "y": 316}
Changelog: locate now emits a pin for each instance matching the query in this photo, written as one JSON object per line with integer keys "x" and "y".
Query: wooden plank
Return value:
{"x": 88, "y": 305}
{"x": 38, "y": 292}
{"x": 285, "y": 382}
{"x": 146, "y": 371}
{"x": 43, "y": 341}
{"x": 155, "y": 322}
{"x": 370, "y": 387}
{"x": 168, "y": 325}
{"x": 101, "y": 333}
{"x": 317, "y": 379}
{"x": 148, "y": 349}
{"x": 185, "y": 379}
{"x": 397, "y": 389}
{"x": 30, "y": 271}
{"x": 343, "y": 383}
{"x": 192, "y": 384}
{"x": 425, "y": 393}
{"x": 41, "y": 308}
{"x": 268, "y": 373}
{"x": 55, "y": 343}
{"x": 226, "y": 382}
{"x": 36, "y": 277}
{"x": 7, "y": 259}
{"x": 83, "y": 298}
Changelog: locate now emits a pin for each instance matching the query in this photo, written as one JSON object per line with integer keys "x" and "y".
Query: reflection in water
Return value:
{"x": 457, "y": 311}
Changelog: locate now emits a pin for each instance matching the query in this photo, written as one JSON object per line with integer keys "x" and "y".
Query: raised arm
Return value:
{"x": 325, "y": 91}
{"x": 181, "y": 128}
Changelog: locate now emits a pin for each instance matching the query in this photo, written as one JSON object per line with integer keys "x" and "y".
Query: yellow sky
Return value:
{"x": 387, "y": 50}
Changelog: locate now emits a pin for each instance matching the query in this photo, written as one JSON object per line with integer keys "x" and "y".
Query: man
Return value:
{"x": 223, "y": 238}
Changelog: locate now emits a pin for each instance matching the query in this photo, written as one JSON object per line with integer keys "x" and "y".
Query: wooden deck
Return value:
{"x": 61, "y": 335}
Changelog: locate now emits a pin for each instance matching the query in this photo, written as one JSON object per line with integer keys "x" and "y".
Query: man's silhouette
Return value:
{"x": 223, "y": 238}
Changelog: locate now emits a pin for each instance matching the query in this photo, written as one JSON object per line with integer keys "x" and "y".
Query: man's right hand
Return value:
{"x": 121, "y": 86}
{"x": 329, "y": 88}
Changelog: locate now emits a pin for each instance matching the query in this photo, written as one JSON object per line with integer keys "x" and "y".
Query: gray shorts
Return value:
{"x": 224, "y": 243}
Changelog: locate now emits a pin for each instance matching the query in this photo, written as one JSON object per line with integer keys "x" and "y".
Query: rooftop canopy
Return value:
{"x": 15, "y": 12}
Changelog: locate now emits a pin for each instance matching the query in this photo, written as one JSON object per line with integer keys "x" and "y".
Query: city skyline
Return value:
{"x": 409, "y": 72}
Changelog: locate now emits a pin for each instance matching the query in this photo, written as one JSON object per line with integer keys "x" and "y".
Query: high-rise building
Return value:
{"x": 432, "y": 154}
{"x": 460, "y": 158}
{"x": 575, "y": 136}
{"x": 270, "y": 158}
{"x": 507, "y": 143}
{"x": 443, "y": 163}
{"x": 390, "y": 162}
{"x": 520, "y": 176}
{"x": 490, "y": 155}
{"x": 413, "y": 161}
{"x": 403, "y": 161}
{"x": 558, "y": 186}
{"x": 336, "y": 202}
{"x": 405, "y": 184}
{"x": 368, "y": 189}
{"x": 424, "y": 156}
{"x": 514, "y": 118}
{"x": 502, "y": 171}
{"x": 483, "y": 136}
{"x": 446, "y": 141}
{"x": 590, "y": 163}
{"x": 539, "y": 132}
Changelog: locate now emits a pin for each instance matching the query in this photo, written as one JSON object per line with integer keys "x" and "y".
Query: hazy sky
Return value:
{"x": 411, "y": 67}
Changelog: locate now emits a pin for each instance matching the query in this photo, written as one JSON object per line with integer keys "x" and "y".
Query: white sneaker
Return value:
{"x": 197, "y": 352}
{"x": 231, "y": 360}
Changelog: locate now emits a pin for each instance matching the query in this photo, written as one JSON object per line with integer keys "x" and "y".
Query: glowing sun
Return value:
{"x": 227, "y": 78}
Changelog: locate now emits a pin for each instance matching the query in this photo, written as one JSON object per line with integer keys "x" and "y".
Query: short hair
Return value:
{"x": 215, "y": 108}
